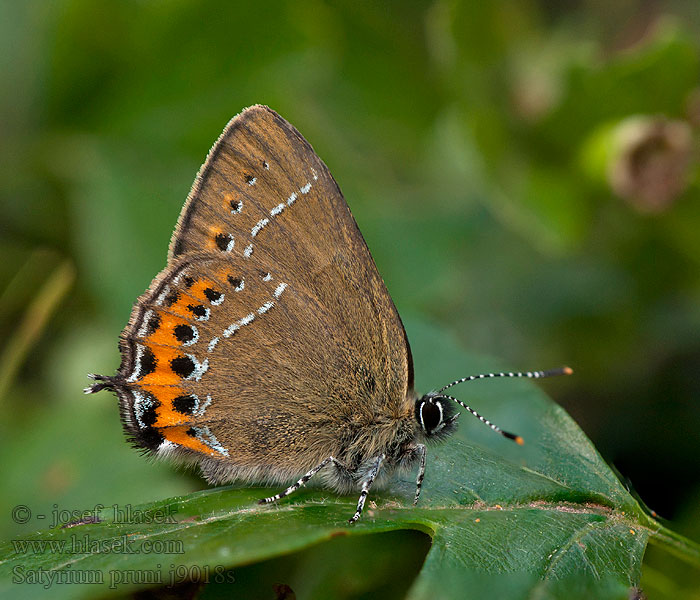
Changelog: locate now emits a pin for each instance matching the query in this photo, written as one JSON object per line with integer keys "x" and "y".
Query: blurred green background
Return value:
{"x": 524, "y": 173}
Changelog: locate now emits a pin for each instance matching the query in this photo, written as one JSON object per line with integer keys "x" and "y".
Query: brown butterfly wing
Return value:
{"x": 270, "y": 340}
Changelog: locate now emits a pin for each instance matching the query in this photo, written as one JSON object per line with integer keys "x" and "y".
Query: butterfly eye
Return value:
{"x": 430, "y": 415}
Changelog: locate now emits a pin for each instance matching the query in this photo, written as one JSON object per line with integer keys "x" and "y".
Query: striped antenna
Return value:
{"x": 530, "y": 374}
{"x": 511, "y": 436}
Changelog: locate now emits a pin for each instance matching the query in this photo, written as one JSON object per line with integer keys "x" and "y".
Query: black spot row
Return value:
{"x": 198, "y": 310}
{"x": 148, "y": 362}
{"x": 185, "y": 404}
{"x": 182, "y": 366}
{"x": 184, "y": 333}
{"x": 149, "y": 438}
{"x": 172, "y": 298}
{"x": 223, "y": 240}
{"x": 153, "y": 324}
{"x": 149, "y": 416}
{"x": 212, "y": 295}
{"x": 235, "y": 281}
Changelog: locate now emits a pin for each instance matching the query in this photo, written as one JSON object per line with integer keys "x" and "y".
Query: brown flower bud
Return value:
{"x": 650, "y": 162}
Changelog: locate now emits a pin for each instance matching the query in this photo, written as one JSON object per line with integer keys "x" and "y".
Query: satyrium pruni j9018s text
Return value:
{"x": 269, "y": 350}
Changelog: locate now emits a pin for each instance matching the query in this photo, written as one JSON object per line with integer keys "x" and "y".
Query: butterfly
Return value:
{"x": 269, "y": 350}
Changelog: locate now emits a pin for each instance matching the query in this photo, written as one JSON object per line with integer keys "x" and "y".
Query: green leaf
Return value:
{"x": 551, "y": 518}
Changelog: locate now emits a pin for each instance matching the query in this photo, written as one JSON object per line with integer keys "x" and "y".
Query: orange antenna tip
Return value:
{"x": 511, "y": 436}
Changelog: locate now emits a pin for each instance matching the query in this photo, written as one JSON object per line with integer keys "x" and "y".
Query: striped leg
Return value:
{"x": 302, "y": 481}
{"x": 365, "y": 489}
{"x": 420, "y": 448}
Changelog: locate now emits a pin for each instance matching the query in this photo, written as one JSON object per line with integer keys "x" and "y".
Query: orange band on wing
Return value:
{"x": 163, "y": 373}
{"x": 165, "y": 334}
{"x": 166, "y": 415}
{"x": 181, "y": 437}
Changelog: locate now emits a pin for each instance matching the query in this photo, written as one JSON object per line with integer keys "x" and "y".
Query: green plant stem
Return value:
{"x": 34, "y": 321}
{"x": 681, "y": 547}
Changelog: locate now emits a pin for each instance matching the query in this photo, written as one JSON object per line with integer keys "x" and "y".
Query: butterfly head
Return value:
{"x": 435, "y": 412}
{"x": 435, "y": 415}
